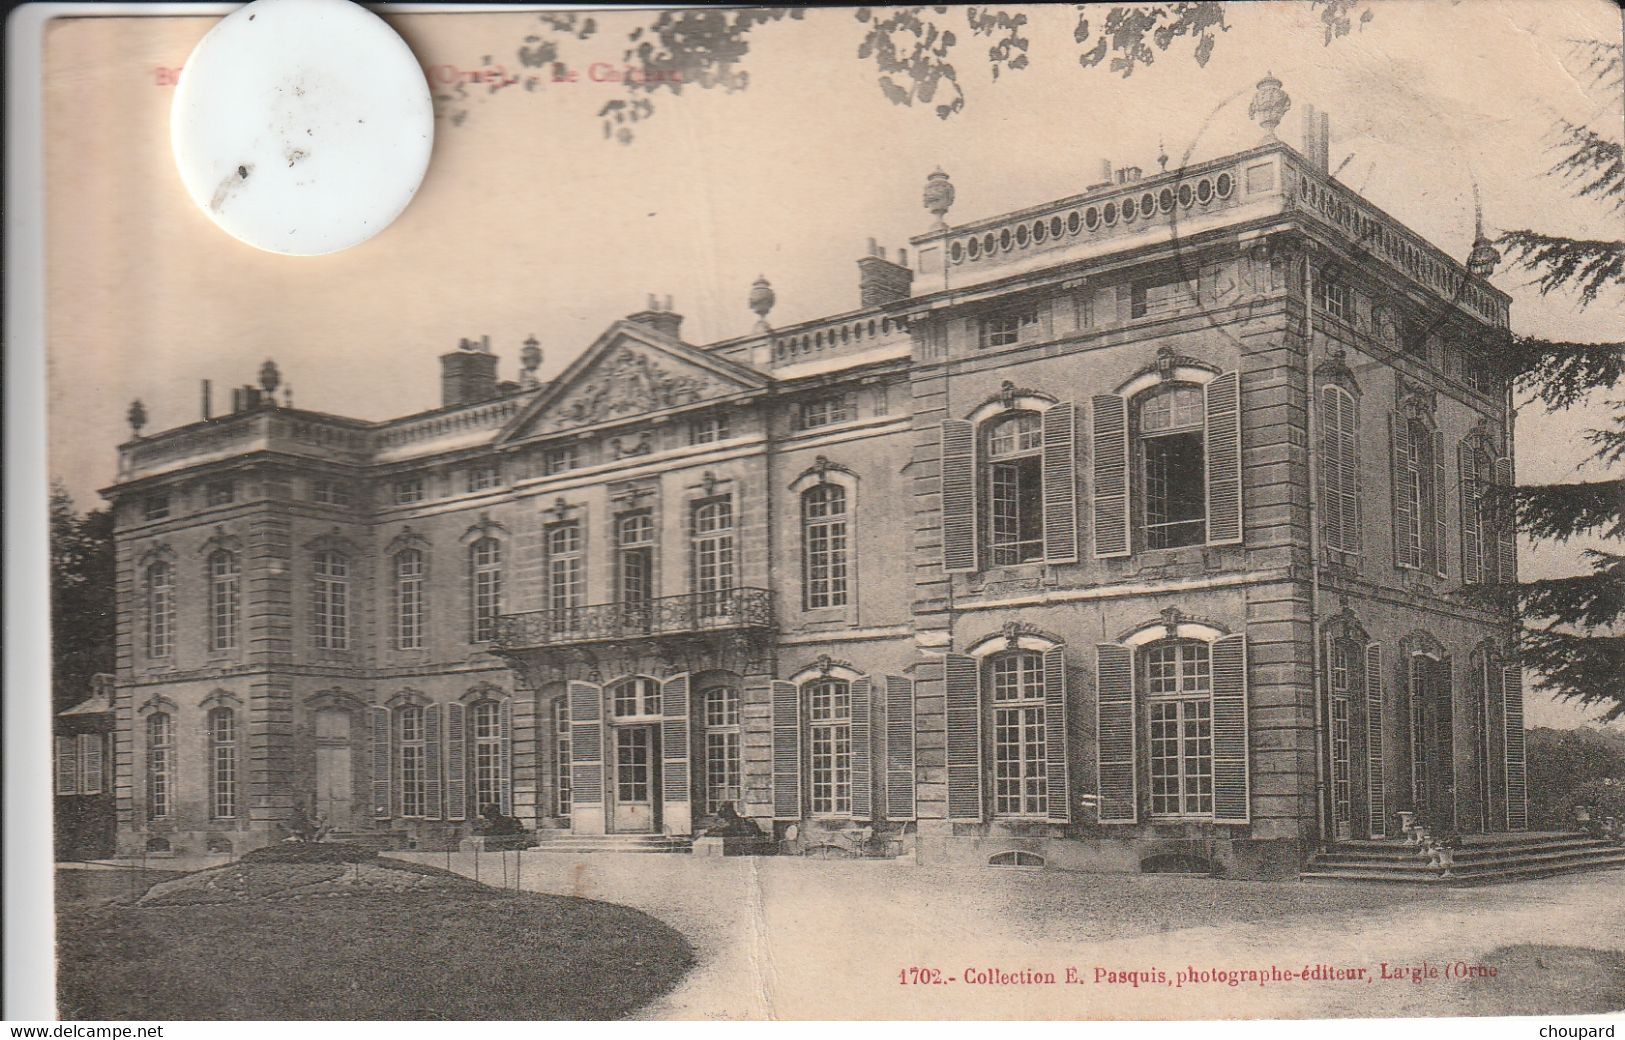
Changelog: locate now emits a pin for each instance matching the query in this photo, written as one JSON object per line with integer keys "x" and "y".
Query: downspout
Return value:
{"x": 1317, "y": 666}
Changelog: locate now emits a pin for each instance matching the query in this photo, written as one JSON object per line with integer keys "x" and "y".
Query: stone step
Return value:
{"x": 564, "y": 842}
{"x": 1339, "y": 855}
{"x": 1533, "y": 863}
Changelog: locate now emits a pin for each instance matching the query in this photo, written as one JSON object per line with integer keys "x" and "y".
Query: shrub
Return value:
{"x": 1563, "y": 761}
{"x": 1605, "y": 797}
{"x": 311, "y": 852}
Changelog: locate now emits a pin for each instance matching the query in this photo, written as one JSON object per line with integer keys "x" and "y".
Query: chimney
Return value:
{"x": 1128, "y": 175}
{"x": 659, "y": 316}
{"x": 208, "y": 403}
{"x": 1317, "y": 138}
{"x": 1323, "y": 143}
{"x": 880, "y": 280}
{"x": 469, "y": 373}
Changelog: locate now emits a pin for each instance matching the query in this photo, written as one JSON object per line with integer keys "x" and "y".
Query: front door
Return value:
{"x": 1433, "y": 774}
{"x": 335, "y": 785}
{"x": 637, "y": 780}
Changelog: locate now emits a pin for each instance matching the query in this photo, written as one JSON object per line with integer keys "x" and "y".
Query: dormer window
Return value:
{"x": 561, "y": 459}
{"x": 1008, "y": 329}
{"x": 156, "y": 507}
{"x": 408, "y": 491}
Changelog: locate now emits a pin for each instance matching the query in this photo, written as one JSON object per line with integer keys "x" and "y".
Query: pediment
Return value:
{"x": 630, "y": 371}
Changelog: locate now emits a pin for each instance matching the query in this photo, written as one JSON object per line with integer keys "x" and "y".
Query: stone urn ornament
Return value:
{"x": 939, "y": 195}
{"x": 1270, "y": 105}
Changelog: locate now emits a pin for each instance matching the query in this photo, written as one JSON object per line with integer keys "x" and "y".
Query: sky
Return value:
{"x": 531, "y": 222}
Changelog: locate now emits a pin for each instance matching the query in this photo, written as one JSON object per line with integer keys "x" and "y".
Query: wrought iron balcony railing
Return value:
{"x": 695, "y": 613}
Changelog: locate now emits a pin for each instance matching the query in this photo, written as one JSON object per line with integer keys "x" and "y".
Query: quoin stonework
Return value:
{"x": 1119, "y": 531}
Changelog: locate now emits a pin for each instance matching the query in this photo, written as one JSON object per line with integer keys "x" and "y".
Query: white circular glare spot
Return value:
{"x": 302, "y": 126}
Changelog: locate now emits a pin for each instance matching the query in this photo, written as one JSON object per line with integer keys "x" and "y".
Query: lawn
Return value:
{"x": 375, "y": 940}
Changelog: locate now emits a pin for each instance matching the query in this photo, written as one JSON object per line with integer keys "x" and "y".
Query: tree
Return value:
{"x": 914, "y": 49}
{"x": 1571, "y": 639}
{"x": 82, "y": 598}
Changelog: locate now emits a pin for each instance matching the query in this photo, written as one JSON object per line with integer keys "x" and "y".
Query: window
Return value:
{"x": 224, "y": 584}
{"x": 1006, "y": 330}
{"x": 829, "y": 714}
{"x": 1480, "y": 377}
{"x": 409, "y": 599}
{"x": 1417, "y": 501}
{"x": 634, "y": 565}
{"x": 722, "y": 768}
{"x": 635, "y": 698}
{"x": 413, "y": 755}
{"x": 561, "y": 758}
{"x": 824, "y": 411}
{"x": 160, "y": 764}
{"x": 330, "y": 606}
{"x": 1172, "y": 466}
{"x": 222, "y": 493}
{"x": 1413, "y": 339}
{"x": 1480, "y": 525}
{"x": 487, "y": 717}
{"x": 223, "y": 764}
{"x": 1016, "y": 680}
{"x": 330, "y": 493}
{"x": 1336, "y": 299}
{"x": 561, "y": 459}
{"x": 712, "y": 553}
{"x": 1179, "y": 692}
{"x": 485, "y": 571}
{"x": 160, "y": 609}
{"x": 564, "y": 569}
{"x": 824, "y": 546}
{"x": 1015, "y": 489}
{"x": 1339, "y": 468}
{"x": 67, "y": 765}
{"x": 481, "y": 478}
{"x": 708, "y": 430}
{"x": 156, "y": 507}
{"x": 409, "y": 491}
{"x": 1149, "y": 299}
{"x": 1343, "y": 664}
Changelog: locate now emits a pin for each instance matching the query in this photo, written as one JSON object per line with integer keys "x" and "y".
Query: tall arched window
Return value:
{"x": 1172, "y": 465}
{"x": 160, "y": 764}
{"x": 1478, "y": 523}
{"x": 409, "y": 599}
{"x": 1015, "y": 489}
{"x": 413, "y": 758}
{"x": 1015, "y": 681}
{"x": 1418, "y": 479}
{"x": 712, "y": 555}
{"x": 160, "y": 609}
{"x": 829, "y": 743}
{"x": 1339, "y": 471}
{"x": 330, "y": 601}
{"x": 224, "y": 592}
{"x": 487, "y": 721}
{"x": 722, "y": 759}
{"x": 638, "y": 697}
{"x": 565, "y": 575}
{"x": 1344, "y": 671}
{"x": 824, "y": 546}
{"x": 485, "y": 582}
{"x": 1179, "y": 695}
{"x": 222, "y": 763}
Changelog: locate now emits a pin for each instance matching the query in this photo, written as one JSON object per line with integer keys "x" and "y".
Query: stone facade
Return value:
{"x": 1124, "y": 531}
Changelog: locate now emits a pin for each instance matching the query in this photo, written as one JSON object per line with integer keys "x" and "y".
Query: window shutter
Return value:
{"x": 456, "y": 762}
{"x": 899, "y": 748}
{"x": 1058, "y": 792}
{"x": 432, "y": 763}
{"x": 1349, "y": 469}
{"x": 1116, "y": 774}
{"x": 1376, "y": 789}
{"x": 505, "y": 755}
{"x": 786, "y": 751}
{"x": 1517, "y": 778}
{"x": 381, "y": 721}
{"x": 90, "y": 763}
{"x": 675, "y": 784}
{"x": 1331, "y": 465}
{"x": 1111, "y": 503}
{"x": 1399, "y": 443}
{"x": 964, "y": 722}
{"x": 862, "y": 756}
{"x": 1224, "y": 460}
{"x": 1230, "y": 774}
{"x": 67, "y": 766}
{"x": 1506, "y": 531}
{"x": 586, "y": 747}
{"x": 1060, "y": 484}
{"x": 1440, "y": 505}
{"x": 1470, "y": 491}
{"x": 958, "y": 496}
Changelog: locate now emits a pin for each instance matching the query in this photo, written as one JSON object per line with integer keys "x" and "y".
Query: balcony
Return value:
{"x": 692, "y": 615}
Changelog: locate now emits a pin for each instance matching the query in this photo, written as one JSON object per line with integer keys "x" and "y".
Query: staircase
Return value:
{"x": 577, "y": 844}
{"x": 1482, "y": 859}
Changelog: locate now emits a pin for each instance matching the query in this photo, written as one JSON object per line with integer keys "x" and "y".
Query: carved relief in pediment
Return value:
{"x": 628, "y": 382}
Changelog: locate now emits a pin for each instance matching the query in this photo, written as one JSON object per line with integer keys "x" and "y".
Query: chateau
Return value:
{"x": 1119, "y": 531}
